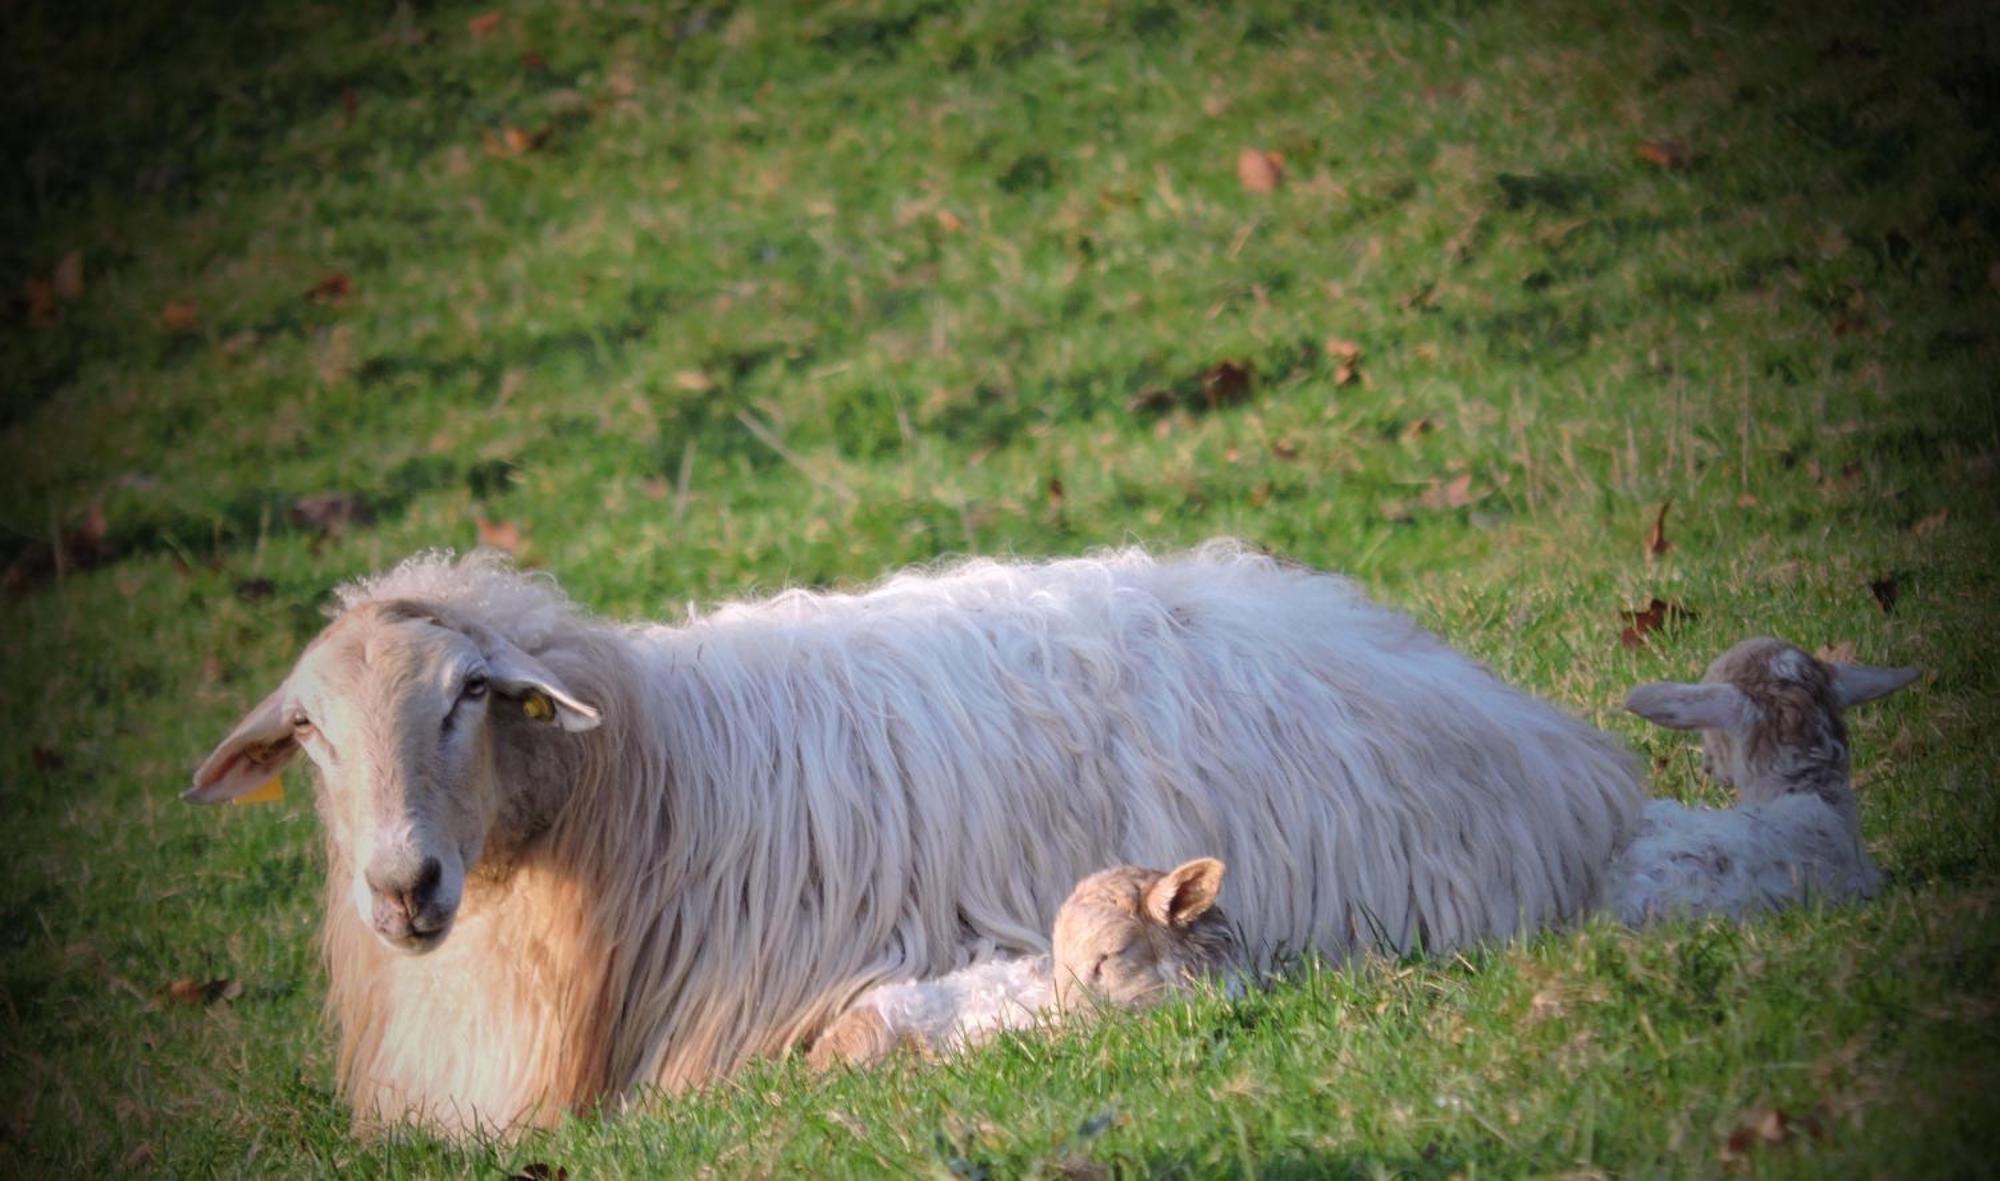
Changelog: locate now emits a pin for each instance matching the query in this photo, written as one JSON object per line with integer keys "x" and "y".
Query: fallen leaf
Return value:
{"x": 539, "y": 1172}
{"x": 40, "y": 297}
{"x": 138, "y": 1159}
{"x": 1656, "y": 541}
{"x": 501, "y": 535}
{"x": 1657, "y": 615}
{"x": 1886, "y": 591}
{"x": 1746, "y": 501}
{"x": 1285, "y": 448}
{"x": 534, "y": 62}
{"x": 68, "y": 278}
{"x": 512, "y": 141}
{"x": 1227, "y": 383}
{"x": 1259, "y": 171}
{"x": 1080, "y": 1168}
{"x": 1449, "y": 494}
{"x": 1346, "y": 356}
{"x": 655, "y": 487}
{"x": 1419, "y": 297}
{"x": 47, "y": 759}
{"x": 1841, "y": 653}
{"x": 694, "y": 381}
{"x": 1421, "y": 425}
{"x": 1666, "y": 153}
{"x": 188, "y": 991}
{"x": 1932, "y": 523}
{"x": 1056, "y": 493}
{"x": 949, "y": 222}
{"x": 239, "y": 342}
{"x": 1152, "y": 400}
{"x": 332, "y": 289}
{"x": 484, "y": 23}
{"x": 255, "y": 590}
{"x": 1763, "y": 1128}
{"x": 180, "y": 315}
{"x": 331, "y": 512}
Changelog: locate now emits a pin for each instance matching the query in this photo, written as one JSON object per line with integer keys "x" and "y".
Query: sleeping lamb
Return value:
{"x": 1126, "y": 936}
{"x": 1770, "y": 717}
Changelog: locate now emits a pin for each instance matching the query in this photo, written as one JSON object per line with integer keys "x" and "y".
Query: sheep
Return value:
{"x": 1770, "y": 717}
{"x": 1126, "y": 935}
{"x": 571, "y": 861}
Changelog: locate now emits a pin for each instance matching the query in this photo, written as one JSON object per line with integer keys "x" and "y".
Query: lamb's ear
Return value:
{"x": 1185, "y": 894}
{"x": 1856, "y": 683}
{"x": 1706, "y": 706}
{"x": 253, "y": 754}
{"x": 514, "y": 673}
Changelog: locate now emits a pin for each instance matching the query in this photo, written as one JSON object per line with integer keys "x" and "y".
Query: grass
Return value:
{"x": 778, "y": 297}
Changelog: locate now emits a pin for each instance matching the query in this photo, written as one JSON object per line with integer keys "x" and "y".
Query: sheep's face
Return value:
{"x": 1770, "y": 716}
{"x": 1129, "y": 936}
{"x": 395, "y": 705}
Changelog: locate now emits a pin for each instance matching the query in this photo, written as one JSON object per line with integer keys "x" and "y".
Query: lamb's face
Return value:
{"x": 395, "y": 705}
{"x": 1128, "y": 936}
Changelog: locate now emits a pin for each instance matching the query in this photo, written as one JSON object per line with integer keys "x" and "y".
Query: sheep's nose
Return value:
{"x": 401, "y": 901}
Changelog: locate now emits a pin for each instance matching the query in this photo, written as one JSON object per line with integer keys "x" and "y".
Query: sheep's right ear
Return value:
{"x": 1185, "y": 894}
{"x": 253, "y": 754}
{"x": 1856, "y": 683}
{"x": 543, "y": 698}
{"x": 1706, "y": 706}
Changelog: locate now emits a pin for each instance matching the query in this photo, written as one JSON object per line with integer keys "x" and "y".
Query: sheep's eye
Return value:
{"x": 475, "y": 686}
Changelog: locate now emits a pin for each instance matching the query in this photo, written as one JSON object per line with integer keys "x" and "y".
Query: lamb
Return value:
{"x": 570, "y": 861}
{"x": 1126, "y": 936}
{"x": 1770, "y": 716}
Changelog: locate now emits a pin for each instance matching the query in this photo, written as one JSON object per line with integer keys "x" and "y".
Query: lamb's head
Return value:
{"x": 1129, "y": 936}
{"x": 399, "y": 705}
{"x": 1770, "y": 717}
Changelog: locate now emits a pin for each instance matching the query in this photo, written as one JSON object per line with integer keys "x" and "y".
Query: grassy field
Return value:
{"x": 688, "y": 302}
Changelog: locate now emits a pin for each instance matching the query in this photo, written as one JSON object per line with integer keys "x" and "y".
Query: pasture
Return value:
{"x": 687, "y": 302}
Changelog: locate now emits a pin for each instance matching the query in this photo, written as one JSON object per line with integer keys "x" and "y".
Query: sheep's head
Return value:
{"x": 397, "y": 703}
{"x": 1770, "y": 717}
{"x": 1129, "y": 935}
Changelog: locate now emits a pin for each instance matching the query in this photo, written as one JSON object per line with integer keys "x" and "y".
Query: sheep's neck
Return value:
{"x": 484, "y": 1033}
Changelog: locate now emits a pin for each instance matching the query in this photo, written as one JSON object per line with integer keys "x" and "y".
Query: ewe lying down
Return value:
{"x": 569, "y": 858}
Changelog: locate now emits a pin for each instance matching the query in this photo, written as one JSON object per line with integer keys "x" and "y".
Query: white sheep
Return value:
{"x": 1770, "y": 716}
{"x": 569, "y": 860}
{"x": 1126, "y": 935}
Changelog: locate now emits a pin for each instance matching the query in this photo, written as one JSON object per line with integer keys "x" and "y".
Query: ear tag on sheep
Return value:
{"x": 272, "y": 791}
{"x": 538, "y": 708}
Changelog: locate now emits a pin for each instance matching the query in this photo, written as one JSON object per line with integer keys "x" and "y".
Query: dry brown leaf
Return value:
{"x": 1932, "y": 523}
{"x": 1449, "y": 494}
{"x": 1886, "y": 592}
{"x": 484, "y": 23}
{"x": 40, "y": 297}
{"x": 1227, "y": 383}
{"x": 539, "y": 1171}
{"x": 331, "y": 289}
{"x": 512, "y": 141}
{"x": 1746, "y": 501}
{"x": 331, "y": 512}
{"x": 1657, "y": 615}
{"x": 1764, "y": 1128}
{"x": 1421, "y": 425}
{"x": 180, "y": 315}
{"x": 1656, "y": 541}
{"x": 504, "y": 536}
{"x": 1152, "y": 400}
{"x": 1056, "y": 493}
{"x": 1666, "y": 153}
{"x": 694, "y": 381}
{"x": 1259, "y": 171}
{"x": 1346, "y": 356}
{"x": 1286, "y": 448}
{"x": 655, "y": 487}
{"x": 1841, "y": 653}
{"x": 139, "y": 1159}
{"x": 188, "y": 991}
{"x": 67, "y": 280}
{"x": 949, "y": 222}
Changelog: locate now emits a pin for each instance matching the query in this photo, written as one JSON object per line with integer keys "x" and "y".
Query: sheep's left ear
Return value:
{"x": 1679, "y": 706}
{"x": 1856, "y": 683}
{"x": 514, "y": 673}
{"x": 1185, "y": 894}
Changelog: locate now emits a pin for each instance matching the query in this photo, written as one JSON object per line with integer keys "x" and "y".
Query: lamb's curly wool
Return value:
{"x": 1770, "y": 716}
{"x": 741, "y": 822}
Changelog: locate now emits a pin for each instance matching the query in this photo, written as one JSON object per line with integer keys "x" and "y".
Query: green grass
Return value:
{"x": 933, "y": 252}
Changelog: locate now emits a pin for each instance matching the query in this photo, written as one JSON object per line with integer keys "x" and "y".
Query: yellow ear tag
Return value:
{"x": 272, "y": 791}
{"x": 538, "y": 707}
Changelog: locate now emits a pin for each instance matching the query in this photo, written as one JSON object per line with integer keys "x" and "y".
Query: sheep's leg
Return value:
{"x": 861, "y": 1037}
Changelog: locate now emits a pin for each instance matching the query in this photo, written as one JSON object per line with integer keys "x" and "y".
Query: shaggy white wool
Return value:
{"x": 790, "y": 801}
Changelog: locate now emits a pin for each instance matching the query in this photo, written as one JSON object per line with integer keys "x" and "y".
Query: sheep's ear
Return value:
{"x": 253, "y": 755}
{"x": 1678, "y": 706}
{"x": 1185, "y": 894}
{"x": 514, "y": 673}
{"x": 1856, "y": 683}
